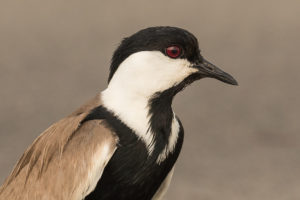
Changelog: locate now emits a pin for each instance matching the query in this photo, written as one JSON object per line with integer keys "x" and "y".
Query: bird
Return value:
{"x": 123, "y": 143}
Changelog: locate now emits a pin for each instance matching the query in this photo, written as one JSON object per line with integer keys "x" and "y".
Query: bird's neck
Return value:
{"x": 150, "y": 116}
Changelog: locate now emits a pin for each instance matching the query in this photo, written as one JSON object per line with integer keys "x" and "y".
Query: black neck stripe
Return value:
{"x": 131, "y": 174}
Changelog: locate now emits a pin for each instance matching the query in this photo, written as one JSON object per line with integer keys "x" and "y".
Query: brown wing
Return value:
{"x": 64, "y": 162}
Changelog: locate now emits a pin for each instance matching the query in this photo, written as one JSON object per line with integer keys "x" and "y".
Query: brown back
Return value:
{"x": 61, "y": 163}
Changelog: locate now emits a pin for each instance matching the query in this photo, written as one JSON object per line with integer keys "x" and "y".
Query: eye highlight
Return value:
{"x": 173, "y": 51}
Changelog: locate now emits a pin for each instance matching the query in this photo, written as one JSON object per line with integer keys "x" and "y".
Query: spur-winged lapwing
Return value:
{"x": 123, "y": 144}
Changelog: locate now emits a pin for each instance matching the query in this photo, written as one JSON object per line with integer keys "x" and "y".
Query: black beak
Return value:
{"x": 206, "y": 69}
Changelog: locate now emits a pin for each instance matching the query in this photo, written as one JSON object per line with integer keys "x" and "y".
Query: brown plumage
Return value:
{"x": 67, "y": 161}
{"x": 58, "y": 163}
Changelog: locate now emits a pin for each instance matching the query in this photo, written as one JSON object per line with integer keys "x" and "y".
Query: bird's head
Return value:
{"x": 156, "y": 59}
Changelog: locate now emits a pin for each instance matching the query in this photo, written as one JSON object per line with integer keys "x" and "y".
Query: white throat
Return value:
{"x": 137, "y": 78}
{"x": 132, "y": 109}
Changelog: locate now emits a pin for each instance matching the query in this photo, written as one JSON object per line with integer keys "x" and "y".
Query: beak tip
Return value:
{"x": 209, "y": 70}
{"x": 228, "y": 79}
{"x": 234, "y": 82}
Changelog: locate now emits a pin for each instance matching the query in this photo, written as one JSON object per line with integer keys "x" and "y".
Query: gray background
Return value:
{"x": 241, "y": 142}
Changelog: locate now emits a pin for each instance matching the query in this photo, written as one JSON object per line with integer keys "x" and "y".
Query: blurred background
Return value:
{"x": 240, "y": 142}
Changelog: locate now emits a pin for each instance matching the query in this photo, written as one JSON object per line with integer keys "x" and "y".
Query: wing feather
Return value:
{"x": 64, "y": 162}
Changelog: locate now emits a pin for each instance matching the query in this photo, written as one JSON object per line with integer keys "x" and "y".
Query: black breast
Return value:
{"x": 131, "y": 174}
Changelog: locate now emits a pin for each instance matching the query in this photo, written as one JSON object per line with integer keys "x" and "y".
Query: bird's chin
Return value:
{"x": 192, "y": 78}
{"x": 187, "y": 81}
{"x": 167, "y": 95}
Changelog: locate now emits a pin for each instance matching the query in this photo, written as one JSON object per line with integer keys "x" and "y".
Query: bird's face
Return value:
{"x": 156, "y": 59}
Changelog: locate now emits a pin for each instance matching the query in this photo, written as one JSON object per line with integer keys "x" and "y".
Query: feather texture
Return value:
{"x": 64, "y": 162}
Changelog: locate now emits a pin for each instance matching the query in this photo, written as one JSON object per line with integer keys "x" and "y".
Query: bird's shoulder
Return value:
{"x": 69, "y": 154}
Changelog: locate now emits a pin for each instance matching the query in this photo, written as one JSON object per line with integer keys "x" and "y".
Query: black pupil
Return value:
{"x": 174, "y": 51}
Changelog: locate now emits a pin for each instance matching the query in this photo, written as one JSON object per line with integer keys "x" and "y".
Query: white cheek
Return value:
{"x": 148, "y": 72}
{"x": 139, "y": 77}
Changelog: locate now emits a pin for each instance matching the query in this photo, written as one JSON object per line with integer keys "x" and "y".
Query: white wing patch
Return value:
{"x": 99, "y": 160}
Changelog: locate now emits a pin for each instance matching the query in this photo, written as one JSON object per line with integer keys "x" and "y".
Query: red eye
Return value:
{"x": 173, "y": 51}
